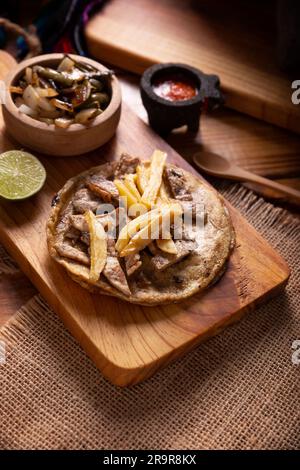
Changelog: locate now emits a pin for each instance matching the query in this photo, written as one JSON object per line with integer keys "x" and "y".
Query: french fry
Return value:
{"x": 163, "y": 195}
{"x": 129, "y": 182}
{"x": 133, "y": 227}
{"x": 136, "y": 210}
{"x": 125, "y": 192}
{"x": 142, "y": 176}
{"x": 142, "y": 238}
{"x": 167, "y": 245}
{"x": 158, "y": 160}
{"x": 98, "y": 245}
{"x": 150, "y": 231}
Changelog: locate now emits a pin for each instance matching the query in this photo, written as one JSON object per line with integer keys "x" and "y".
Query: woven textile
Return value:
{"x": 239, "y": 390}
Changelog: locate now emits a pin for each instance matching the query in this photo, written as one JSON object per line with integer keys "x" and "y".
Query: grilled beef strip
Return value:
{"x": 104, "y": 188}
{"x": 163, "y": 260}
{"x": 113, "y": 271}
{"x": 84, "y": 200}
{"x": 127, "y": 164}
{"x": 132, "y": 263}
{"x": 72, "y": 252}
{"x": 73, "y": 234}
{"x": 66, "y": 243}
{"x": 78, "y": 222}
{"x": 177, "y": 183}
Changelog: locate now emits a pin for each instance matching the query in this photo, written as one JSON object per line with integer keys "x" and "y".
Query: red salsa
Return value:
{"x": 175, "y": 88}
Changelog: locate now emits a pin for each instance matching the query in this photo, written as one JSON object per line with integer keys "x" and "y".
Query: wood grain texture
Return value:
{"x": 129, "y": 343}
{"x": 238, "y": 44}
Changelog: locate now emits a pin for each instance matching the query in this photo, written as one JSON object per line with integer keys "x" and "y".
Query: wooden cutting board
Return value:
{"x": 129, "y": 343}
{"x": 236, "y": 42}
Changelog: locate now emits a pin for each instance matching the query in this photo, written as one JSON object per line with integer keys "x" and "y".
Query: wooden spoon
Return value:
{"x": 216, "y": 165}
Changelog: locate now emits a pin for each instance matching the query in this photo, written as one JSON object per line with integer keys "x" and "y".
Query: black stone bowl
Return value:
{"x": 165, "y": 115}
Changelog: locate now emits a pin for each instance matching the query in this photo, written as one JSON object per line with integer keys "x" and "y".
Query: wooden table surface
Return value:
{"x": 238, "y": 44}
{"x": 229, "y": 133}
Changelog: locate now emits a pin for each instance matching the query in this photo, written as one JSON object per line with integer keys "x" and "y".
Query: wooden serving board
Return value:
{"x": 129, "y": 343}
{"x": 236, "y": 40}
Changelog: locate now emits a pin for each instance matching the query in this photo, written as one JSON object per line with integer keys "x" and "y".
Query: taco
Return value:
{"x": 147, "y": 232}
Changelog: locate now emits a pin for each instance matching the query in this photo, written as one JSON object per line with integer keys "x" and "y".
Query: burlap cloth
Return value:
{"x": 239, "y": 390}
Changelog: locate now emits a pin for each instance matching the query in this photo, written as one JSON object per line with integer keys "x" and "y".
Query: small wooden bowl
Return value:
{"x": 49, "y": 139}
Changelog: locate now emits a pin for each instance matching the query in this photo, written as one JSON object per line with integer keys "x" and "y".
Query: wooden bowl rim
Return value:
{"x": 9, "y": 104}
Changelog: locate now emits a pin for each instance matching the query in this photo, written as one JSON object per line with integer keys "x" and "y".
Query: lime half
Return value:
{"x": 21, "y": 175}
